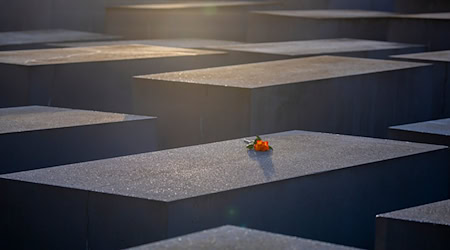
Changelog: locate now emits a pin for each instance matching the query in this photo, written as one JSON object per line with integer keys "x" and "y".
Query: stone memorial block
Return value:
{"x": 432, "y": 132}
{"x": 288, "y": 25}
{"x": 94, "y": 78}
{"x": 325, "y": 93}
{"x": 441, "y": 62}
{"x": 215, "y": 20}
{"x": 231, "y": 237}
{"x": 34, "y": 137}
{"x": 422, "y": 227}
{"x": 430, "y": 29}
{"x": 303, "y": 48}
{"x": 38, "y": 39}
{"x": 323, "y": 187}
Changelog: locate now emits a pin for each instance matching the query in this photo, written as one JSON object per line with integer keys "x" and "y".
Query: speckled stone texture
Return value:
{"x": 288, "y": 25}
{"x": 183, "y": 20}
{"x": 432, "y": 132}
{"x": 338, "y": 46}
{"x": 422, "y": 227}
{"x": 94, "y": 78}
{"x": 35, "y": 137}
{"x": 326, "y": 93}
{"x": 148, "y": 197}
{"x": 37, "y": 39}
{"x": 235, "y": 238}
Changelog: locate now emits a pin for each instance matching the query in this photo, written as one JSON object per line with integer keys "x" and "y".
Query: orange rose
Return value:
{"x": 261, "y": 145}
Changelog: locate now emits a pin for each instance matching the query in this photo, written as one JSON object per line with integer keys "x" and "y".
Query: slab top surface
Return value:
{"x": 31, "y": 118}
{"x": 297, "y": 70}
{"x": 435, "y": 213}
{"x": 314, "y": 47}
{"x": 95, "y": 54}
{"x": 231, "y": 237}
{"x": 48, "y": 36}
{"x": 192, "y": 5}
{"x": 438, "y": 15}
{"x": 327, "y": 14}
{"x": 179, "y": 43}
{"x": 437, "y": 127}
{"x": 435, "y": 56}
{"x": 182, "y": 173}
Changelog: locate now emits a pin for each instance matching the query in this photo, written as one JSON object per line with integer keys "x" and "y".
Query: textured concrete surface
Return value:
{"x": 36, "y": 39}
{"x": 288, "y": 25}
{"x": 154, "y": 196}
{"x": 34, "y": 137}
{"x": 433, "y": 132}
{"x": 231, "y": 237}
{"x": 191, "y": 43}
{"x": 94, "y": 78}
{"x": 422, "y": 227}
{"x": 357, "y": 96}
{"x": 434, "y": 56}
{"x": 340, "y": 46}
{"x": 183, "y": 20}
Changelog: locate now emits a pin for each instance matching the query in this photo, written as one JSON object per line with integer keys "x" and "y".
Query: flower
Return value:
{"x": 259, "y": 145}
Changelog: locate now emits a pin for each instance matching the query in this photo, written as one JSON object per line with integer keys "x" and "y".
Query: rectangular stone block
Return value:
{"x": 232, "y": 237}
{"x": 94, "y": 78}
{"x": 319, "y": 186}
{"x": 422, "y": 227}
{"x": 326, "y": 93}
{"x": 38, "y": 39}
{"x": 430, "y": 29}
{"x": 214, "y": 20}
{"x": 337, "y": 46}
{"x": 288, "y": 25}
{"x": 432, "y": 132}
{"x": 441, "y": 61}
{"x": 35, "y": 137}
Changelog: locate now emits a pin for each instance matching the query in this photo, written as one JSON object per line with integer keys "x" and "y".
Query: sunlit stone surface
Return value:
{"x": 433, "y": 132}
{"x": 326, "y": 93}
{"x": 422, "y": 227}
{"x": 310, "y": 185}
{"x": 231, "y": 237}
{"x": 215, "y": 20}
{"x": 96, "y": 78}
{"x": 36, "y": 39}
{"x": 35, "y": 137}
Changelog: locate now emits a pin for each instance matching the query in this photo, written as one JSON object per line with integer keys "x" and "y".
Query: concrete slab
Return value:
{"x": 231, "y": 237}
{"x": 38, "y": 39}
{"x": 326, "y": 93}
{"x": 35, "y": 137}
{"x": 138, "y": 199}
{"x": 441, "y": 61}
{"x": 288, "y": 25}
{"x": 214, "y": 20}
{"x": 422, "y": 227}
{"x": 432, "y": 132}
{"x": 430, "y": 29}
{"x": 94, "y": 78}
{"x": 191, "y": 43}
{"x": 337, "y": 46}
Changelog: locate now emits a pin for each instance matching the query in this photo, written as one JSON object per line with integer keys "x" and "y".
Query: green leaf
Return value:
{"x": 270, "y": 147}
{"x": 250, "y": 146}
{"x": 258, "y": 138}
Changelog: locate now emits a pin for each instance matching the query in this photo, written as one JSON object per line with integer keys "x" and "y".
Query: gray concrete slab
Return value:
{"x": 214, "y": 20}
{"x": 38, "y": 39}
{"x": 231, "y": 237}
{"x": 288, "y": 25}
{"x": 34, "y": 137}
{"x": 337, "y": 46}
{"x": 191, "y": 43}
{"x": 94, "y": 78}
{"x": 441, "y": 61}
{"x": 422, "y": 227}
{"x": 138, "y": 199}
{"x": 432, "y": 132}
{"x": 326, "y": 93}
{"x": 430, "y": 29}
